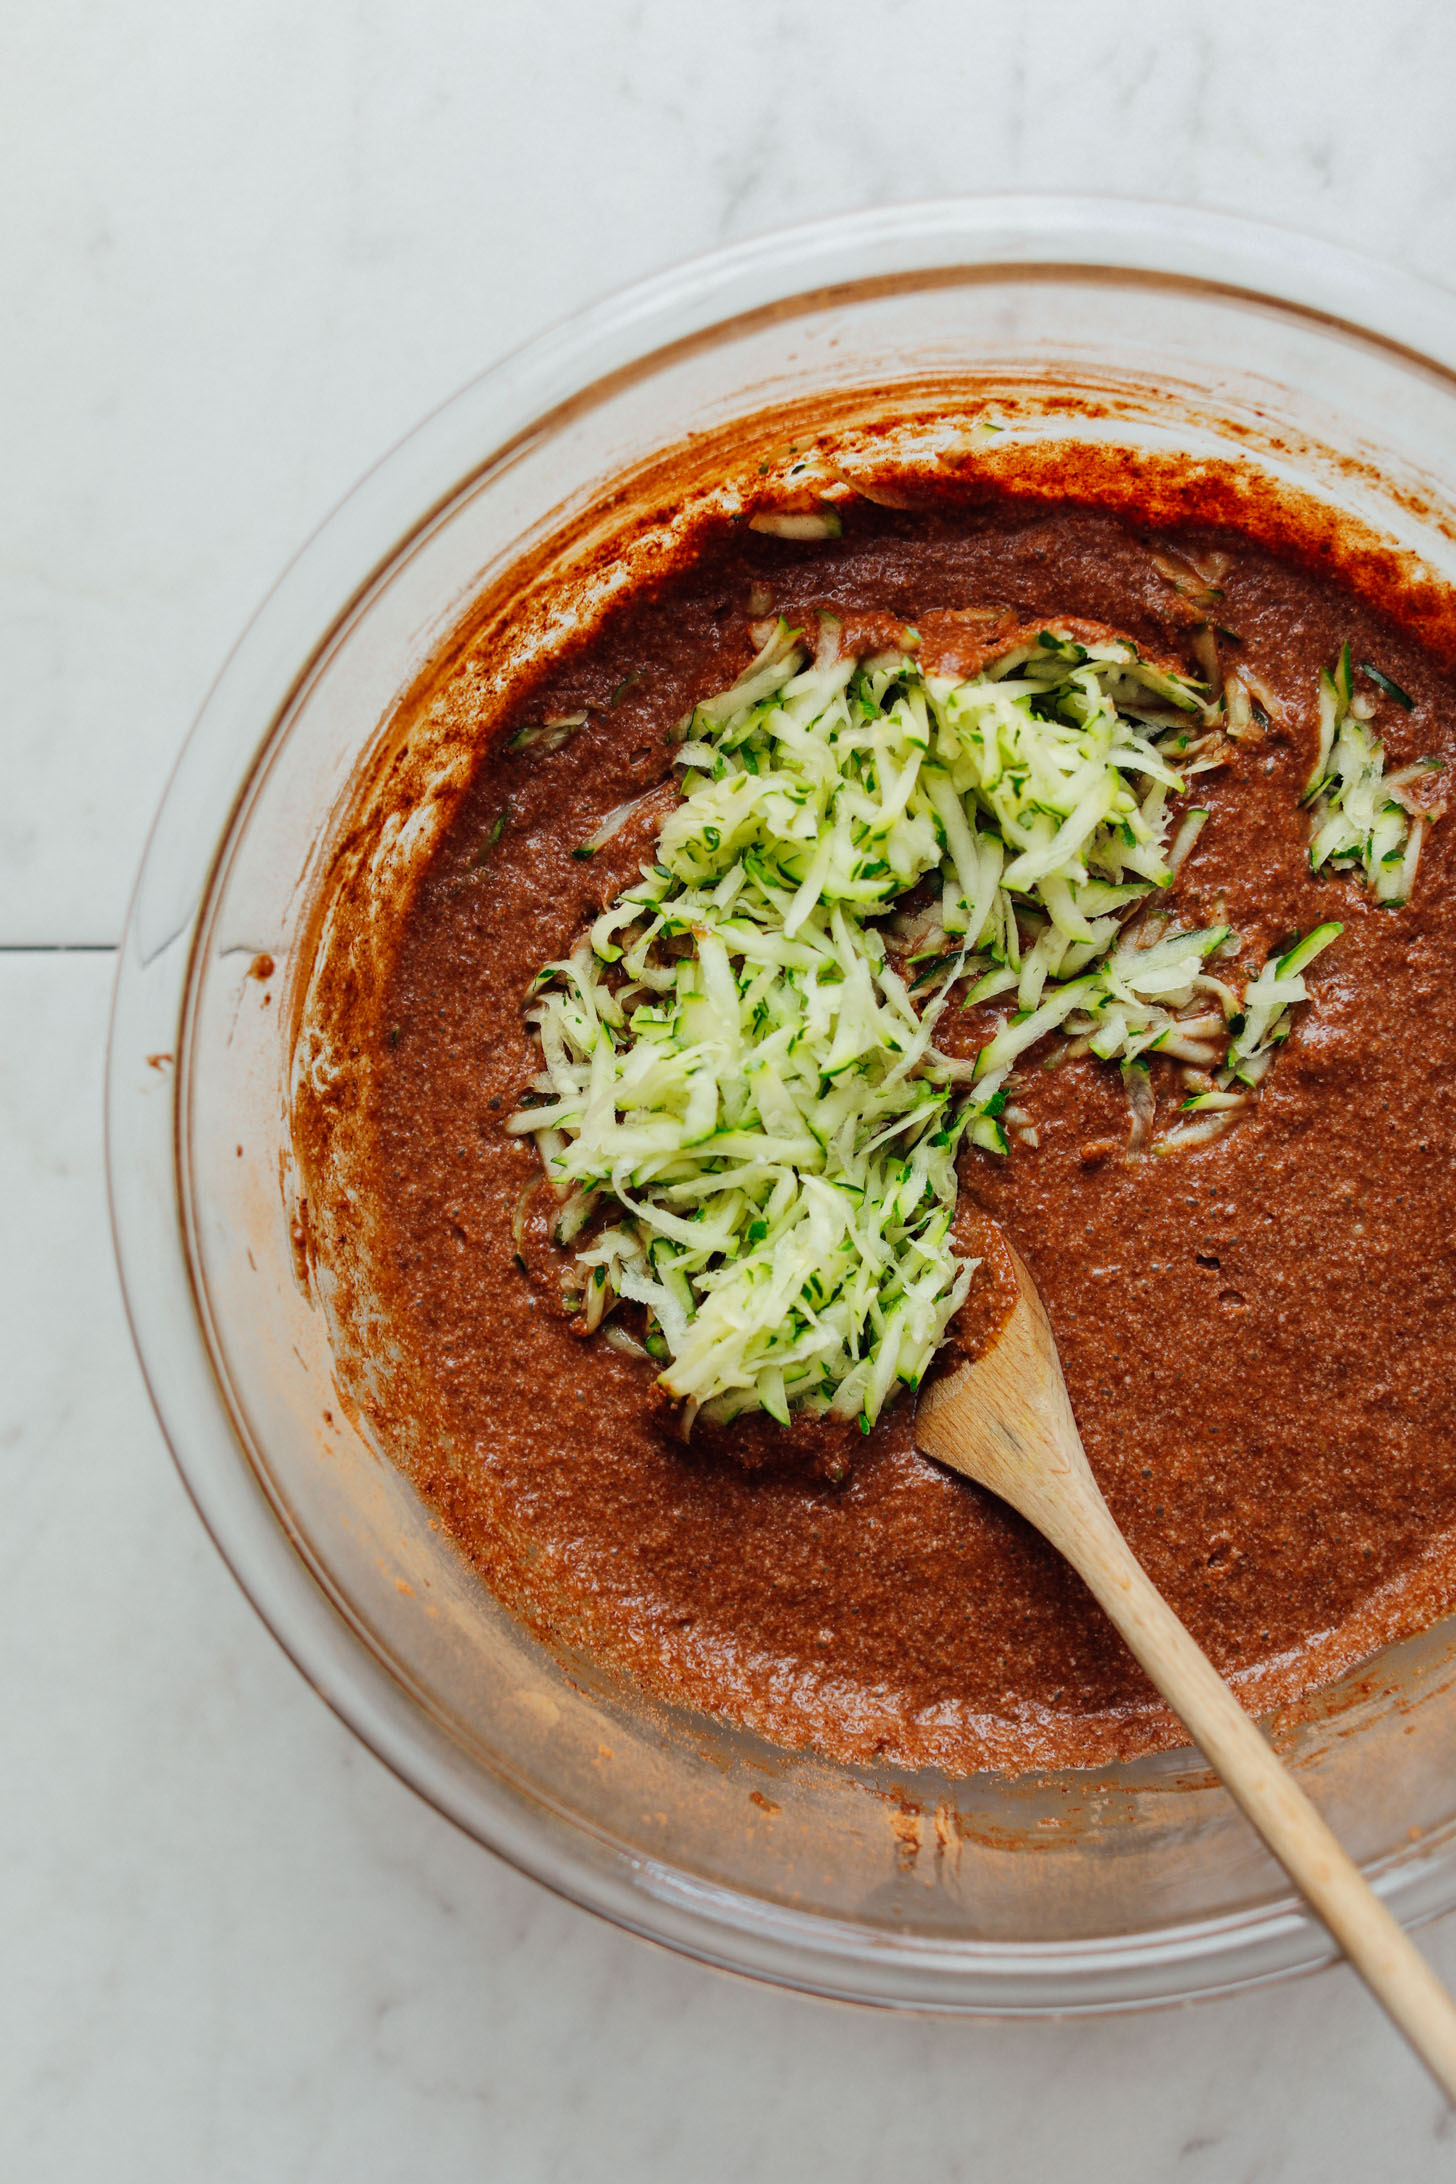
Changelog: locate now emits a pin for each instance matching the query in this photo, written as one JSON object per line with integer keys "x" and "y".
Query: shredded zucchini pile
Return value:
{"x": 1363, "y": 818}
{"x": 736, "y": 1073}
{"x": 742, "y": 1106}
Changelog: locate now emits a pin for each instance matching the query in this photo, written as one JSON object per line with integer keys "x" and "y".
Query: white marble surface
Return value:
{"x": 245, "y": 248}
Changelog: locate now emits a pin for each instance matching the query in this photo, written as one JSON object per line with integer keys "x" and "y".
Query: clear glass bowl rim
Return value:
{"x": 315, "y": 592}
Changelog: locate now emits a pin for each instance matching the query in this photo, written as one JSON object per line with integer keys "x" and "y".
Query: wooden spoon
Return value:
{"x": 1005, "y": 1421}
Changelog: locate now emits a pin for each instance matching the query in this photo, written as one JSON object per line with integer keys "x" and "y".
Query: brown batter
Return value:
{"x": 1256, "y": 1333}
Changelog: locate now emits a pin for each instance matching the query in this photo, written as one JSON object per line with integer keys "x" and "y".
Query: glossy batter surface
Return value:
{"x": 1257, "y": 1333}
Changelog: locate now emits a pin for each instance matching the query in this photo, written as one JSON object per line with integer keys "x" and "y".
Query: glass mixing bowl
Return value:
{"x": 1064, "y": 1892}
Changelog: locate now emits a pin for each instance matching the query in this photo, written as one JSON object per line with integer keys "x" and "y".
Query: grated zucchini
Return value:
{"x": 738, "y": 1075}
{"x": 1264, "y": 1023}
{"x": 1363, "y": 819}
{"x": 742, "y": 1106}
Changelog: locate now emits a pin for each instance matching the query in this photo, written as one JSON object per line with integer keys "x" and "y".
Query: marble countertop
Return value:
{"x": 247, "y": 249}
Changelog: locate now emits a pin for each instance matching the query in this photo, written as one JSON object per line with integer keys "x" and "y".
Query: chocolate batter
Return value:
{"x": 1257, "y": 1333}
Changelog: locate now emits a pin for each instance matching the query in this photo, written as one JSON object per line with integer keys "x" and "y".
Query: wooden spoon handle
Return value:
{"x": 1381, "y": 1951}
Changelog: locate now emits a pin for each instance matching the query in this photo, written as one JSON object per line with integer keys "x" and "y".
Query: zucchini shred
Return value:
{"x": 741, "y": 1104}
{"x": 1364, "y": 818}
